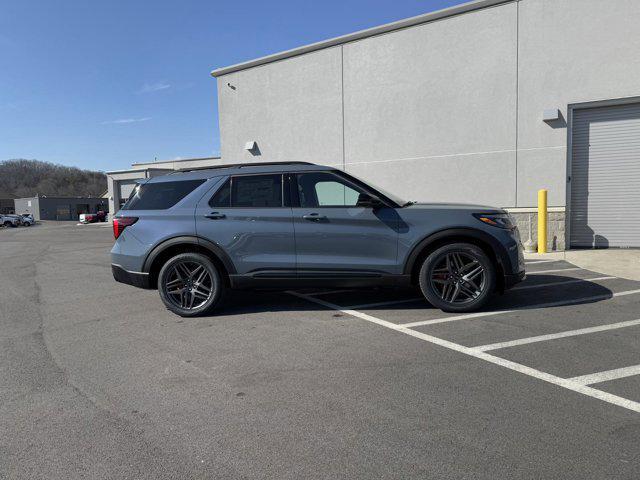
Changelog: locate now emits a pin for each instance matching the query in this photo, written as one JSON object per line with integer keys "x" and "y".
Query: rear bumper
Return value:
{"x": 137, "y": 279}
{"x": 514, "y": 279}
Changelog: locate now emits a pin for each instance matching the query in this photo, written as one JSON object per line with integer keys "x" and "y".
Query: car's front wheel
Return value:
{"x": 457, "y": 278}
{"x": 190, "y": 284}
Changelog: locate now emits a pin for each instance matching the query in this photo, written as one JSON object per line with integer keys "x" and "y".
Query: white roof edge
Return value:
{"x": 135, "y": 170}
{"x": 370, "y": 32}
{"x": 175, "y": 161}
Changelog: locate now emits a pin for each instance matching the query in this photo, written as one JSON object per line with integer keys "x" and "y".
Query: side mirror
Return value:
{"x": 369, "y": 201}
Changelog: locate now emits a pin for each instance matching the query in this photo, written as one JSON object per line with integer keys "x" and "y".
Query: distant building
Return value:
{"x": 60, "y": 208}
{"x": 7, "y": 206}
{"x": 122, "y": 182}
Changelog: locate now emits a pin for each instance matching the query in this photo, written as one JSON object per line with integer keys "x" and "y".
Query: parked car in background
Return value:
{"x": 195, "y": 234}
{"x": 9, "y": 220}
{"x": 27, "y": 219}
{"x": 100, "y": 216}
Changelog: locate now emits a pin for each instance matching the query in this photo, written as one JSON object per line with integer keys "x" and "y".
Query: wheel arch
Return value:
{"x": 183, "y": 244}
{"x": 486, "y": 242}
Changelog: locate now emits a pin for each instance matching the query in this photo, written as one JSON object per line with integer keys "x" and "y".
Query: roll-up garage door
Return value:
{"x": 605, "y": 177}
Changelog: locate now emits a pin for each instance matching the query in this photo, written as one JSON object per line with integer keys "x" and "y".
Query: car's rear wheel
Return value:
{"x": 457, "y": 278}
{"x": 190, "y": 285}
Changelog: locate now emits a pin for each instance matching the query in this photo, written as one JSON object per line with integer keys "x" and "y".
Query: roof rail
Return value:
{"x": 239, "y": 165}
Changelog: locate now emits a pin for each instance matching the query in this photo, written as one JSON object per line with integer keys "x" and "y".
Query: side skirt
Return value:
{"x": 282, "y": 280}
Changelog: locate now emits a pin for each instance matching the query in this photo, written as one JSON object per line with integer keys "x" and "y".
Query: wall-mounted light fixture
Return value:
{"x": 551, "y": 115}
{"x": 249, "y": 146}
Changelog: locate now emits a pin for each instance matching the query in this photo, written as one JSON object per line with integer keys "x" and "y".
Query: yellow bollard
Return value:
{"x": 542, "y": 221}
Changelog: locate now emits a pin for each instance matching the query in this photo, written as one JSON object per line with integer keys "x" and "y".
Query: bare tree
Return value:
{"x": 28, "y": 178}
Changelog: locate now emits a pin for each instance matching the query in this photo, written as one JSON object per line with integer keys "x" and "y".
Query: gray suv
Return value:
{"x": 195, "y": 234}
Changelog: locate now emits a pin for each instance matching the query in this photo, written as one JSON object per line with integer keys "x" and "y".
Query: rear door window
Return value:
{"x": 160, "y": 196}
{"x": 256, "y": 191}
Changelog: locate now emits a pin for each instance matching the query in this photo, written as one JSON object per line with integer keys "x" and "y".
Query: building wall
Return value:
{"x": 449, "y": 110}
{"x": 571, "y": 51}
{"x": 46, "y": 208}
{"x": 28, "y": 205}
{"x": 424, "y": 104}
{"x": 408, "y": 110}
{"x": 7, "y": 205}
{"x": 292, "y": 109}
{"x": 181, "y": 163}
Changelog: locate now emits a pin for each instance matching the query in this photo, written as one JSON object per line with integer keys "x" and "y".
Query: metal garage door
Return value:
{"x": 605, "y": 177}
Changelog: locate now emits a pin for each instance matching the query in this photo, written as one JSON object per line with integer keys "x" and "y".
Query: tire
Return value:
{"x": 457, "y": 278}
{"x": 190, "y": 285}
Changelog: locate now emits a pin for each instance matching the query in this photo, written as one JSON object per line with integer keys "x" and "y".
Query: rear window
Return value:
{"x": 160, "y": 196}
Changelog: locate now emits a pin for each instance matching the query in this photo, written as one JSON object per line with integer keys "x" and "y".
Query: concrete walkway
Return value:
{"x": 623, "y": 263}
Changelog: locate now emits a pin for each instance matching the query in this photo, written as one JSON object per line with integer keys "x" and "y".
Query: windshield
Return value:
{"x": 389, "y": 195}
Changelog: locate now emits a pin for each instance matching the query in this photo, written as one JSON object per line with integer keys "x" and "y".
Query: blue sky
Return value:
{"x": 103, "y": 84}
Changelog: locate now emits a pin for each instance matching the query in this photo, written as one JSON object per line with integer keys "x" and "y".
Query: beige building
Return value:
{"x": 120, "y": 183}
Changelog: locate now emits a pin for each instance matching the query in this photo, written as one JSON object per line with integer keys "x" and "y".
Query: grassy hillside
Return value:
{"x": 28, "y": 178}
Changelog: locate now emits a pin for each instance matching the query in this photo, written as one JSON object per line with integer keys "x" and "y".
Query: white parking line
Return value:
{"x": 560, "y": 303}
{"x": 535, "y": 262}
{"x": 562, "y": 382}
{"x": 551, "y": 284}
{"x": 606, "y": 376}
{"x": 382, "y": 304}
{"x": 554, "y": 271}
{"x": 553, "y": 336}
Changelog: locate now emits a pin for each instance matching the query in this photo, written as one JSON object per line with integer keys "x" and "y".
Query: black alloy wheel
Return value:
{"x": 190, "y": 284}
{"x": 457, "y": 278}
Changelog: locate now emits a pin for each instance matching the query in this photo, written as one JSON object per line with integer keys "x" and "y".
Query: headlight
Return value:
{"x": 500, "y": 220}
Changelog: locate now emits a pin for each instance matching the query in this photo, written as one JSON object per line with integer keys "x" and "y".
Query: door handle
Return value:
{"x": 215, "y": 216}
{"x": 314, "y": 217}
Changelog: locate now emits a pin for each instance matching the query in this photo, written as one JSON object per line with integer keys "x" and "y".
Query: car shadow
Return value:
{"x": 552, "y": 291}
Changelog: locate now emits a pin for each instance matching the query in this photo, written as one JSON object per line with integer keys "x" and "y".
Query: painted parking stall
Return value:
{"x": 564, "y": 325}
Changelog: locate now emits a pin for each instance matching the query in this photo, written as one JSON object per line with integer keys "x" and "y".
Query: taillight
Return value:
{"x": 120, "y": 223}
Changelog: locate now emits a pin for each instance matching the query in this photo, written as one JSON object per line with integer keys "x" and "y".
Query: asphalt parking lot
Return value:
{"x": 100, "y": 381}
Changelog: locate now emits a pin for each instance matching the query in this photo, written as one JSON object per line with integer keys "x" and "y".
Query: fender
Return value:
{"x": 189, "y": 240}
{"x": 498, "y": 249}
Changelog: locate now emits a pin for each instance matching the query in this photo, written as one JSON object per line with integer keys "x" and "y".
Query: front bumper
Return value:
{"x": 137, "y": 279}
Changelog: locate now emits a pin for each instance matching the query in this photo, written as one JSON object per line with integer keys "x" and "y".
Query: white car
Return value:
{"x": 9, "y": 221}
{"x": 27, "y": 219}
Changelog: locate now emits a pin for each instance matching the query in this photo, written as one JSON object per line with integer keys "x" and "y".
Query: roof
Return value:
{"x": 238, "y": 169}
{"x": 370, "y": 32}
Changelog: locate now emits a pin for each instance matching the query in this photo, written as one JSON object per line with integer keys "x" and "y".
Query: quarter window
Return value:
{"x": 161, "y": 195}
{"x": 222, "y": 197}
